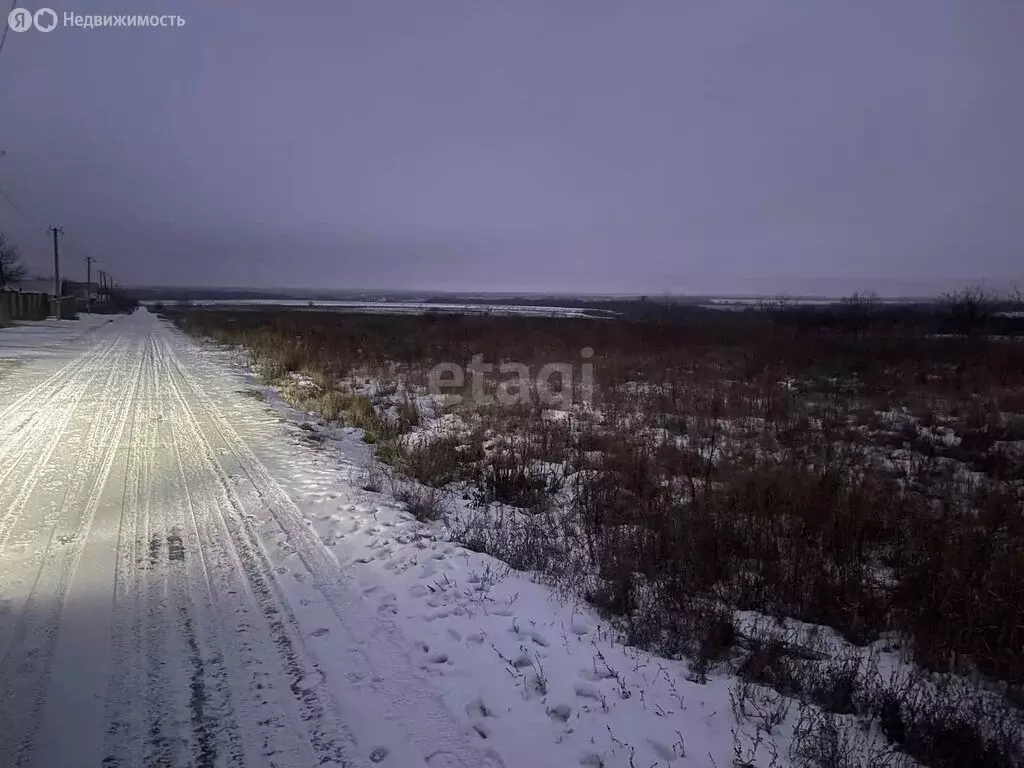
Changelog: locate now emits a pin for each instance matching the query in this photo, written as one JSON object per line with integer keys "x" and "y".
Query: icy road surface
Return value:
{"x": 143, "y": 618}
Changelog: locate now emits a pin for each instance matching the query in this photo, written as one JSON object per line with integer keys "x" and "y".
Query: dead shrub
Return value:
{"x": 787, "y": 462}
{"x": 434, "y": 461}
{"x": 425, "y": 504}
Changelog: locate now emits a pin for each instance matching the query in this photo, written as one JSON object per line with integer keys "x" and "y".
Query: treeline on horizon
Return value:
{"x": 971, "y": 310}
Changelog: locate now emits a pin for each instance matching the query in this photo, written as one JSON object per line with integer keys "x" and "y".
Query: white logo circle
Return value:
{"x": 45, "y": 19}
{"x": 19, "y": 20}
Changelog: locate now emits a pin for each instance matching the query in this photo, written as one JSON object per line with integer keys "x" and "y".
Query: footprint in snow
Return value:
{"x": 587, "y": 691}
{"x": 597, "y": 674}
{"x": 560, "y": 712}
{"x": 534, "y": 686}
{"x": 531, "y": 634}
{"x": 663, "y": 752}
{"x": 522, "y": 661}
{"x": 579, "y": 625}
{"x": 310, "y": 681}
{"x": 539, "y": 639}
{"x": 478, "y": 709}
{"x": 429, "y": 569}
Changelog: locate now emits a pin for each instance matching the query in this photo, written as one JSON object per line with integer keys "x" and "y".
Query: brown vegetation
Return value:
{"x": 855, "y": 470}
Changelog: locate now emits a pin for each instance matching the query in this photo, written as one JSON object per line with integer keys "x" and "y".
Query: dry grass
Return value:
{"x": 849, "y": 469}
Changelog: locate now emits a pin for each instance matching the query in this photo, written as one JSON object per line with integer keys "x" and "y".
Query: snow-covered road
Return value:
{"x": 144, "y": 620}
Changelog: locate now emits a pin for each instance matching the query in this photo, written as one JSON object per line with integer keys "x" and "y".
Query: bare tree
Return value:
{"x": 861, "y": 301}
{"x": 1017, "y": 298}
{"x": 781, "y": 303}
{"x": 970, "y": 308}
{"x": 858, "y": 308}
{"x": 11, "y": 269}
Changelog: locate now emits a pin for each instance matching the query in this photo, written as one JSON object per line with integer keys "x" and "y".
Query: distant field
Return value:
{"x": 395, "y": 307}
{"x": 661, "y": 308}
{"x": 859, "y": 469}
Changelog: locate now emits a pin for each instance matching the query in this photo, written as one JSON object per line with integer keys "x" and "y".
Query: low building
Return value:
{"x": 36, "y": 295}
{"x": 82, "y": 291}
{"x": 69, "y": 288}
{"x": 34, "y": 285}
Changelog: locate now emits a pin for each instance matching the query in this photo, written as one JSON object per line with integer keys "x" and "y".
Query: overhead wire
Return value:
{"x": 36, "y": 226}
{"x": 18, "y": 209}
{"x": 7, "y": 25}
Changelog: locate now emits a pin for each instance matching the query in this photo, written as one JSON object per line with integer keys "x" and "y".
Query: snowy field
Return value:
{"x": 185, "y": 580}
{"x": 45, "y": 338}
{"x": 391, "y": 307}
{"x": 164, "y": 601}
{"x": 782, "y": 692}
{"x": 193, "y": 572}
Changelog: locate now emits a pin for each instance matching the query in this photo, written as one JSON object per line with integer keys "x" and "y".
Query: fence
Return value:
{"x": 25, "y": 306}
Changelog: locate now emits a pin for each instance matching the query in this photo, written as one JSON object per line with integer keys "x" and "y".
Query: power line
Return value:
{"x": 18, "y": 209}
{"x": 7, "y": 25}
{"x": 36, "y": 228}
{"x": 36, "y": 225}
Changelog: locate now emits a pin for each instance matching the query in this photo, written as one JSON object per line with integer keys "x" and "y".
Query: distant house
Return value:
{"x": 34, "y": 285}
{"x": 72, "y": 288}
{"x": 80, "y": 290}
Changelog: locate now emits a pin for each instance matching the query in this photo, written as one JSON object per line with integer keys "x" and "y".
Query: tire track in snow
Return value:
{"x": 310, "y": 710}
{"x": 269, "y": 720}
{"x": 401, "y": 691}
{"x": 125, "y": 734}
{"x": 37, "y": 448}
{"x": 18, "y": 571}
{"x": 208, "y": 644}
{"x": 37, "y": 412}
{"x": 31, "y": 404}
{"x": 215, "y": 730}
{"x": 53, "y": 498}
{"x": 165, "y": 649}
{"x": 24, "y": 668}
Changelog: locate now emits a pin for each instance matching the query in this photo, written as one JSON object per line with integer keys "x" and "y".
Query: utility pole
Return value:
{"x": 88, "y": 284}
{"x": 57, "y": 231}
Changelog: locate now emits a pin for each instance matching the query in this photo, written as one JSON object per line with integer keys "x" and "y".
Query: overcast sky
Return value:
{"x": 582, "y": 145}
